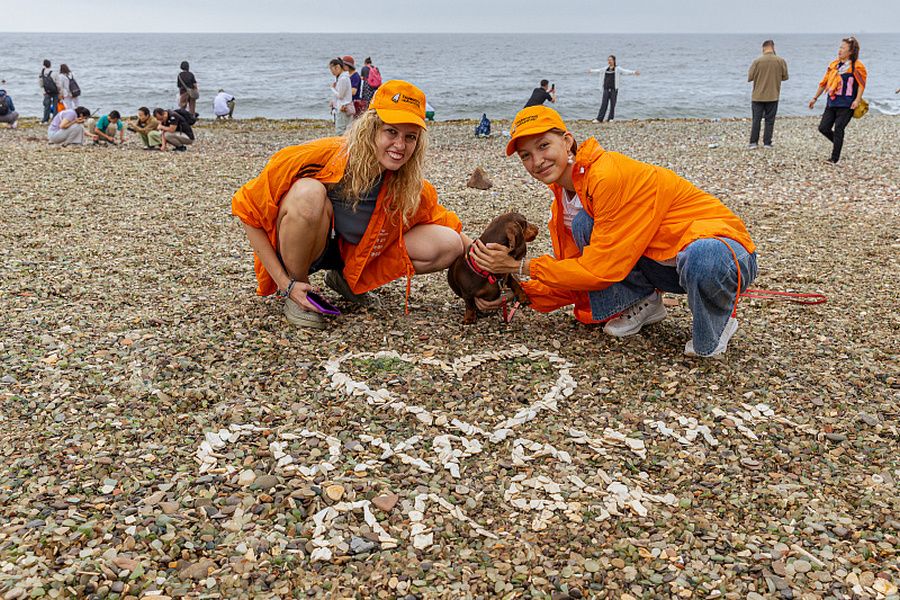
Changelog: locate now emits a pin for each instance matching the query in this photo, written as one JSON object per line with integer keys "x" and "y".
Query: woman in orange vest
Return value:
{"x": 623, "y": 230}
{"x": 845, "y": 81}
{"x": 357, "y": 206}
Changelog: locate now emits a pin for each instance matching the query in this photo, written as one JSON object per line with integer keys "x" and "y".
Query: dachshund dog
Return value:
{"x": 469, "y": 281}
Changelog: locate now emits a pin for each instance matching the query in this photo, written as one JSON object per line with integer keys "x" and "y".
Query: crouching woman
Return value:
{"x": 356, "y": 206}
{"x": 623, "y": 230}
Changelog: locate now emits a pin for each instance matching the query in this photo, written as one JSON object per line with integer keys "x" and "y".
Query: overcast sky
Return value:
{"x": 409, "y": 16}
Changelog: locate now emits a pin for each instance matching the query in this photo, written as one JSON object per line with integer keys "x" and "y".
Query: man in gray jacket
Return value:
{"x": 767, "y": 72}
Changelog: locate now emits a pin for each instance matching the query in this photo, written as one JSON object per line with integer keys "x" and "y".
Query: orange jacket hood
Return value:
{"x": 638, "y": 210}
{"x": 380, "y": 256}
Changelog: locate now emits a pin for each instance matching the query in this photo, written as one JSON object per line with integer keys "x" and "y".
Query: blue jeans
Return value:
{"x": 704, "y": 271}
{"x": 50, "y": 103}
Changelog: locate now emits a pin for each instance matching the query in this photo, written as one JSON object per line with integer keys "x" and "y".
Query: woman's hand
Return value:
{"x": 298, "y": 295}
{"x": 491, "y": 305}
{"x": 494, "y": 258}
{"x": 855, "y": 104}
{"x": 812, "y": 103}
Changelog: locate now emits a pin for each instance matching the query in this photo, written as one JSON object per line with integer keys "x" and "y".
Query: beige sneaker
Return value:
{"x": 302, "y": 318}
{"x": 335, "y": 280}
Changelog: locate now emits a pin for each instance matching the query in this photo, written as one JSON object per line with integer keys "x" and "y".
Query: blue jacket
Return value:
{"x": 9, "y": 101}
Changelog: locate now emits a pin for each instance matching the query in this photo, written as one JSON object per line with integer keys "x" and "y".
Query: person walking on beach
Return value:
{"x": 357, "y": 206}
{"x": 766, "y": 72}
{"x": 66, "y": 127}
{"x": 105, "y": 128}
{"x": 223, "y": 105}
{"x": 146, "y": 126}
{"x": 50, "y": 86}
{"x": 8, "y": 112}
{"x": 175, "y": 128}
{"x": 844, "y": 81}
{"x": 370, "y": 80}
{"x": 609, "y": 87}
{"x": 342, "y": 100}
{"x": 542, "y": 93}
{"x": 622, "y": 230}
{"x": 188, "y": 92}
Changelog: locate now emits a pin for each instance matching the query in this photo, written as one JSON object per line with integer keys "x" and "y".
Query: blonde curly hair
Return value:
{"x": 363, "y": 169}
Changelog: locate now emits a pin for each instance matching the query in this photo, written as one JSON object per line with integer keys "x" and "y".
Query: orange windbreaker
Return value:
{"x": 380, "y": 256}
{"x": 832, "y": 82}
{"x": 638, "y": 210}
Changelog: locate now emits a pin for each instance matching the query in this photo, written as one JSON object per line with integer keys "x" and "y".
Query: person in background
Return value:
{"x": 845, "y": 81}
{"x": 542, "y": 94}
{"x": 50, "y": 86}
{"x": 105, "y": 128}
{"x": 223, "y": 105}
{"x": 188, "y": 92}
{"x": 370, "y": 80}
{"x": 146, "y": 126}
{"x": 66, "y": 127}
{"x": 609, "y": 86}
{"x": 342, "y": 102}
{"x": 8, "y": 112}
{"x": 355, "y": 84}
{"x": 175, "y": 129}
{"x": 766, "y": 72}
{"x": 622, "y": 231}
{"x": 65, "y": 87}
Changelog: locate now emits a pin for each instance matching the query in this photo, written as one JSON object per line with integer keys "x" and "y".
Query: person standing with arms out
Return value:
{"x": 542, "y": 94}
{"x": 342, "y": 102}
{"x": 188, "y": 92}
{"x": 766, "y": 72}
{"x": 50, "y": 85}
{"x": 609, "y": 86}
{"x": 845, "y": 81}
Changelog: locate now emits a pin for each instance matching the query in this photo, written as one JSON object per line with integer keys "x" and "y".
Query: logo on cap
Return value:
{"x": 395, "y": 98}
{"x": 522, "y": 121}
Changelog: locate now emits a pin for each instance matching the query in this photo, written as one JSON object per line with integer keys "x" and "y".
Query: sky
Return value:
{"x": 451, "y": 16}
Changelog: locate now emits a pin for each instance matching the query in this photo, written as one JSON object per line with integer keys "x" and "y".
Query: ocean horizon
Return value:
{"x": 285, "y": 76}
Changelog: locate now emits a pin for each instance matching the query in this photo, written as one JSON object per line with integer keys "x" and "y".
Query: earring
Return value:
{"x": 571, "y": 160}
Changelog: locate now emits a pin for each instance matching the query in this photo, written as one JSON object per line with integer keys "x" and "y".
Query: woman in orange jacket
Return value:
{"x": 845, "y": 81}
{"x": 357, "y": 206}
{"x": 622, "y": 230}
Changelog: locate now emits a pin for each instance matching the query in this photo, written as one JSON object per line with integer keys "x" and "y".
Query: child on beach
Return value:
{"x": 621, "y": 230}
{"x": 66, "y": 127}
{"x": 356, "y": 206}
{"x": 845, "y": 81}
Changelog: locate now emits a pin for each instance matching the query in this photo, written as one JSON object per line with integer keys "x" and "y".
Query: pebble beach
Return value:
{"x": 164, "y": 433}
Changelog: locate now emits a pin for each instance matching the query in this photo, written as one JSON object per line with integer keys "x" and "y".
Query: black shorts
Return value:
{"x": 330, "y": 259}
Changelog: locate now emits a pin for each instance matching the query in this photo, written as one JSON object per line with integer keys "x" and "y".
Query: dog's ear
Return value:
{"x": 513, "y": 236}
{"x": 530, "y": 232}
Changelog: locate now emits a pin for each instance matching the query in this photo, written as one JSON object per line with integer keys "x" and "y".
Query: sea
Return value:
{"x": 285, "y": 76}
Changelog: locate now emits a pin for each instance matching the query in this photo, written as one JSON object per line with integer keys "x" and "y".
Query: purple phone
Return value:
{"x": 323, "y": 305}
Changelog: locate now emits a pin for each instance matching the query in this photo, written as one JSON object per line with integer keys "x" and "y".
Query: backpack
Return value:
{"x": 374, "y": 78}
{"x": 49, "y": 85}
{"x": 188, "y": 117}
{"x": 4, "y": 105}
{"x": 74, "y": 88}
{"x": 483, "y": 129}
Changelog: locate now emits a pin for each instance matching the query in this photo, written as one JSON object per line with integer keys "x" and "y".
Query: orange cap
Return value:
{"x": 531, "y": 121}
{"x": 398, "y": 101}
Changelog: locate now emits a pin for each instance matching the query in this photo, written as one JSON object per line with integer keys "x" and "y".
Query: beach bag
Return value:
{"x": 49, "y": 85}
{"x": 861, "y": 109}
{"x": 60, "y": 106}
{"x": 188, "y": 117}
{"x": 374, "y": 78}
{"x": 4, "y": 106}
{"x": 192, "y": 92}
{"x": 74, "y": 88}
{"x": 483, "y": 129}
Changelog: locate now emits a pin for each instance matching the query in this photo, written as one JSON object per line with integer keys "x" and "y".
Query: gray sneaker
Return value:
{"x": 302, "y": 318}
{"x": 646, "y": 312}
{"x": 335, "y": 280}
{"x": 752, "y": 146}
{"x": 730, "y": 327}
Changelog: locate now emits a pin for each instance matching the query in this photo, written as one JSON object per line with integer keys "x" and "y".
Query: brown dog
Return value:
{"x": 468, "y": 281}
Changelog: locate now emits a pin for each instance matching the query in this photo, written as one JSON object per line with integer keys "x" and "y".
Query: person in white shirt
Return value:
{"x": 223, "y": 105}
{"x": 342, "y": 102}
{"x": 609, "y": 85}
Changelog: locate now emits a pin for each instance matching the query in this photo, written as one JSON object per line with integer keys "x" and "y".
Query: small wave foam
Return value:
{"x": 886, "y": 107}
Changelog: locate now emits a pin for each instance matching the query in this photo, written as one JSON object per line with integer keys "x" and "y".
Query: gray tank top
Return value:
{"x": 351, "y": 224}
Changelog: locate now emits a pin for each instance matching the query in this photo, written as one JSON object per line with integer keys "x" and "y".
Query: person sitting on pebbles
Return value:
{"x": 623, "y": 231}
{"x": 356, "y": 206}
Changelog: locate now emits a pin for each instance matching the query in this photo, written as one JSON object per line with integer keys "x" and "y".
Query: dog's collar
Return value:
{"x": 470, "y": 260}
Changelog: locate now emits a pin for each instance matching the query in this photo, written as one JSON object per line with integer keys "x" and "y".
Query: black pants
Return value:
{"x": 609, "y": 97}
{"x": 834, "y": 121}
{"x": 760, "y": 110}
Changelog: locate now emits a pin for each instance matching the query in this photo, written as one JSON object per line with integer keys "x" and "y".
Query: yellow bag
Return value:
{"x": 861, "y": 109}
